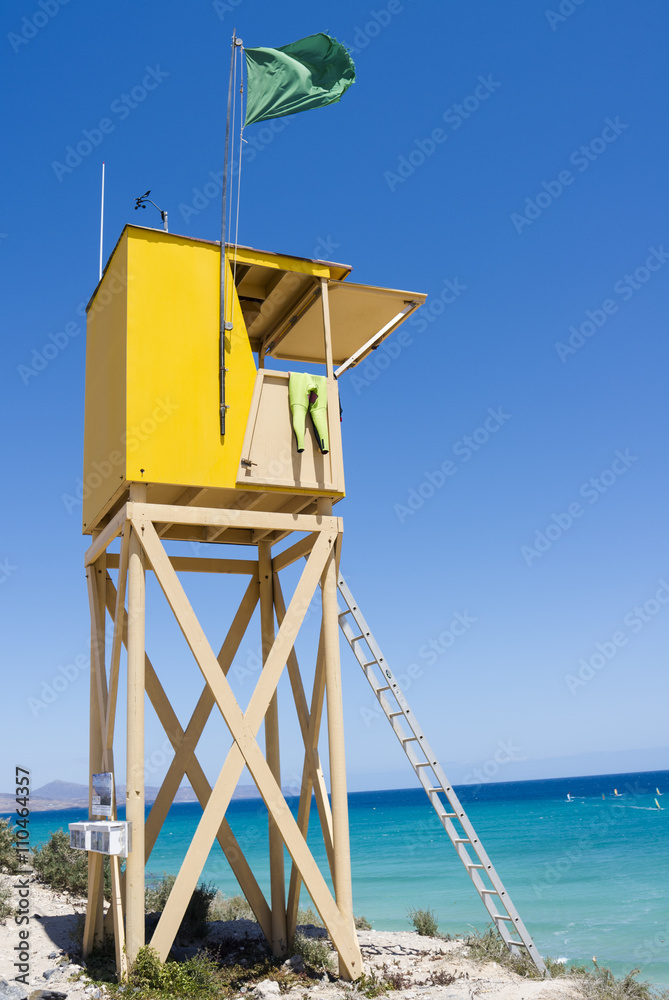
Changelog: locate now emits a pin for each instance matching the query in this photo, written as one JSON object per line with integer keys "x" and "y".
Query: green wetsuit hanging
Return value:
{"x": 309, "y": 393}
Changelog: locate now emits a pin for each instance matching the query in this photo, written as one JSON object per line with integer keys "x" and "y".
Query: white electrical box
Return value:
{"x": 113, "y": 837}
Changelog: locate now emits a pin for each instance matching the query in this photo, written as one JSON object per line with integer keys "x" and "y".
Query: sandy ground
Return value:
{"x": 422, "y": 967}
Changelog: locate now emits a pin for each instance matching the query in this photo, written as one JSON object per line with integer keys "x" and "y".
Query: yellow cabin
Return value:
{"x": 152, "y": 373}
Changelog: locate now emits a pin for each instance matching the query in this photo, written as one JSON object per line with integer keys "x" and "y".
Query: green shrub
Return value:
{"x": 362, "y": 924}
{"x": 198, "y": 976}
{"x": 62, "y": 868}
{"x": 194, "y": 923}
{"x": 603, "y": 985}
{"x": 9, "y": 861}
{"x": 315, "y": 952}
{"x": 309, "y": 916}
{"x": 489, "y": 947}
{"x": 232, "y": 908}
{"x": 6, "y": 908}
{"x": 424, "y": 921}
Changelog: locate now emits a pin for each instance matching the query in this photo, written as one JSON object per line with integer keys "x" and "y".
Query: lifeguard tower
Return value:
{"x": 157, "y": 470}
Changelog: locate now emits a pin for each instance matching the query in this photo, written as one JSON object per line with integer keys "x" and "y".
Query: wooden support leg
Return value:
{"x": 93, "y": 928}
{"x": 272, "y": 750}
{"x": 308, "y": 783}
{"x": 134, "y": 880}
{"x": 342, "y": 852}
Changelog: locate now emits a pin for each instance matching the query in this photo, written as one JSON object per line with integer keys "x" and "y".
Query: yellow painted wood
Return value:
{"x": 105, "y": 420}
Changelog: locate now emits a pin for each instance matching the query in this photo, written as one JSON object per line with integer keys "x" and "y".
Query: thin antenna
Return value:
{"x": 102, "y": 216}
{"x": 224, "y": 270}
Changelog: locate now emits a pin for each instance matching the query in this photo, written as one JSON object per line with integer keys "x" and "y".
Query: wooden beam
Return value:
{"x": 342, "y": 852}
{"x": 200, "y": 564}
{"x": 245, "y": 750}
{"x": 194, "y": 772}
{"x": 214, "y": 517}
{"x": 295, "y": 552}
{"x": 279, "y": 941}
{"x": 309, "y": 735}
{"x": 107, "y": 535}
{"x": 93, "y": 926}
{"x": 304, "y": 808}
{"x": 134, "y": 808}
{"x": 117, "y": 641}
{"x": 327, "y": 331}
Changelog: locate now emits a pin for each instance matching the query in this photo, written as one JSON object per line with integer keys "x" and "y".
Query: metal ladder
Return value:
{"x": 430, "y": 773}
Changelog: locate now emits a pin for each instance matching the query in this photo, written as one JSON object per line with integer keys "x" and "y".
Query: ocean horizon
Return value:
{"x": 585, "y": 867}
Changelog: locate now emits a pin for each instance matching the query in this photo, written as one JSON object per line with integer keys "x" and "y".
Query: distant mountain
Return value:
{"x": 68, "y": 794}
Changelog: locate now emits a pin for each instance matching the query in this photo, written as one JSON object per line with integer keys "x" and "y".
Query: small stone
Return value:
{"x": 294, "y": 964}
{"x": 48, "y": 973}
{"x": 267, "y": 989}
{"x": 53, "y": 954}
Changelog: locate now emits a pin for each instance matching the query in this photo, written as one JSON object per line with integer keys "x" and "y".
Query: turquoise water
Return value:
{"x": 589, "y": 877}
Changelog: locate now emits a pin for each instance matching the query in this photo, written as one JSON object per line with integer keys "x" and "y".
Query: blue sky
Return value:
{"x": 505, "y": 461}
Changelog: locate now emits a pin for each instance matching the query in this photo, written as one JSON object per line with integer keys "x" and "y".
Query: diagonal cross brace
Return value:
{"x": 243, "y": 728}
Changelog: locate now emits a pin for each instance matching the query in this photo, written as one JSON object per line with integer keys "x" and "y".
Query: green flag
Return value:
{"x": 311, "y": 73}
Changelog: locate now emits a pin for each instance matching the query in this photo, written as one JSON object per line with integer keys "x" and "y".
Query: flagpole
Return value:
{"x": 223, "y": 326}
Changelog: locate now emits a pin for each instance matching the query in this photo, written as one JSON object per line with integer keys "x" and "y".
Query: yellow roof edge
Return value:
{"x": 345, "y": 268}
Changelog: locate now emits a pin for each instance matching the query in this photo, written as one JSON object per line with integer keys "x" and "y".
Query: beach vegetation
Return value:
{"x": 194, "y": 923}
{"x": 601, "y": 984}
{"x": 230, "y": 908}
{"x": 315, "y": 952}
{"x": 6, "y": 908}
{"x": 9, "y": 859}
{"x": 362, "y": 924}
{"x": 59, "y": 866}
{"x": 197, "y": 977}
{"x": 424, "y": 921}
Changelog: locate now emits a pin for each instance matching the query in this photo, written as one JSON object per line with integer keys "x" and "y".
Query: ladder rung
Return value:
{"x": 356, "y": 638}
{"x": 500, "y": 916}
{"x": 518, "y": 944}
{"x": 461, "y": 840}
{"x": 470, "y": 864}
{"x": 386, "y": 687}
{"x": 430, "y": 790}
{"x": 422, "y": 763}
{"x": 391, "y": 715}
{"x": 370, "y": 663}
{"x": 489, "y": 892}
{"x": 342, "y": 614}
{"x": 408, "y": 739}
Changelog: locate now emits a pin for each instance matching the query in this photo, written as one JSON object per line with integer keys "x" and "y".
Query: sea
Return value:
{"x": 584, "y": 859}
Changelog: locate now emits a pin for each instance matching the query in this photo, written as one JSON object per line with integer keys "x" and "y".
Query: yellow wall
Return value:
{"x": 104, "y": 444}
{"x": 173, "y": 383}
